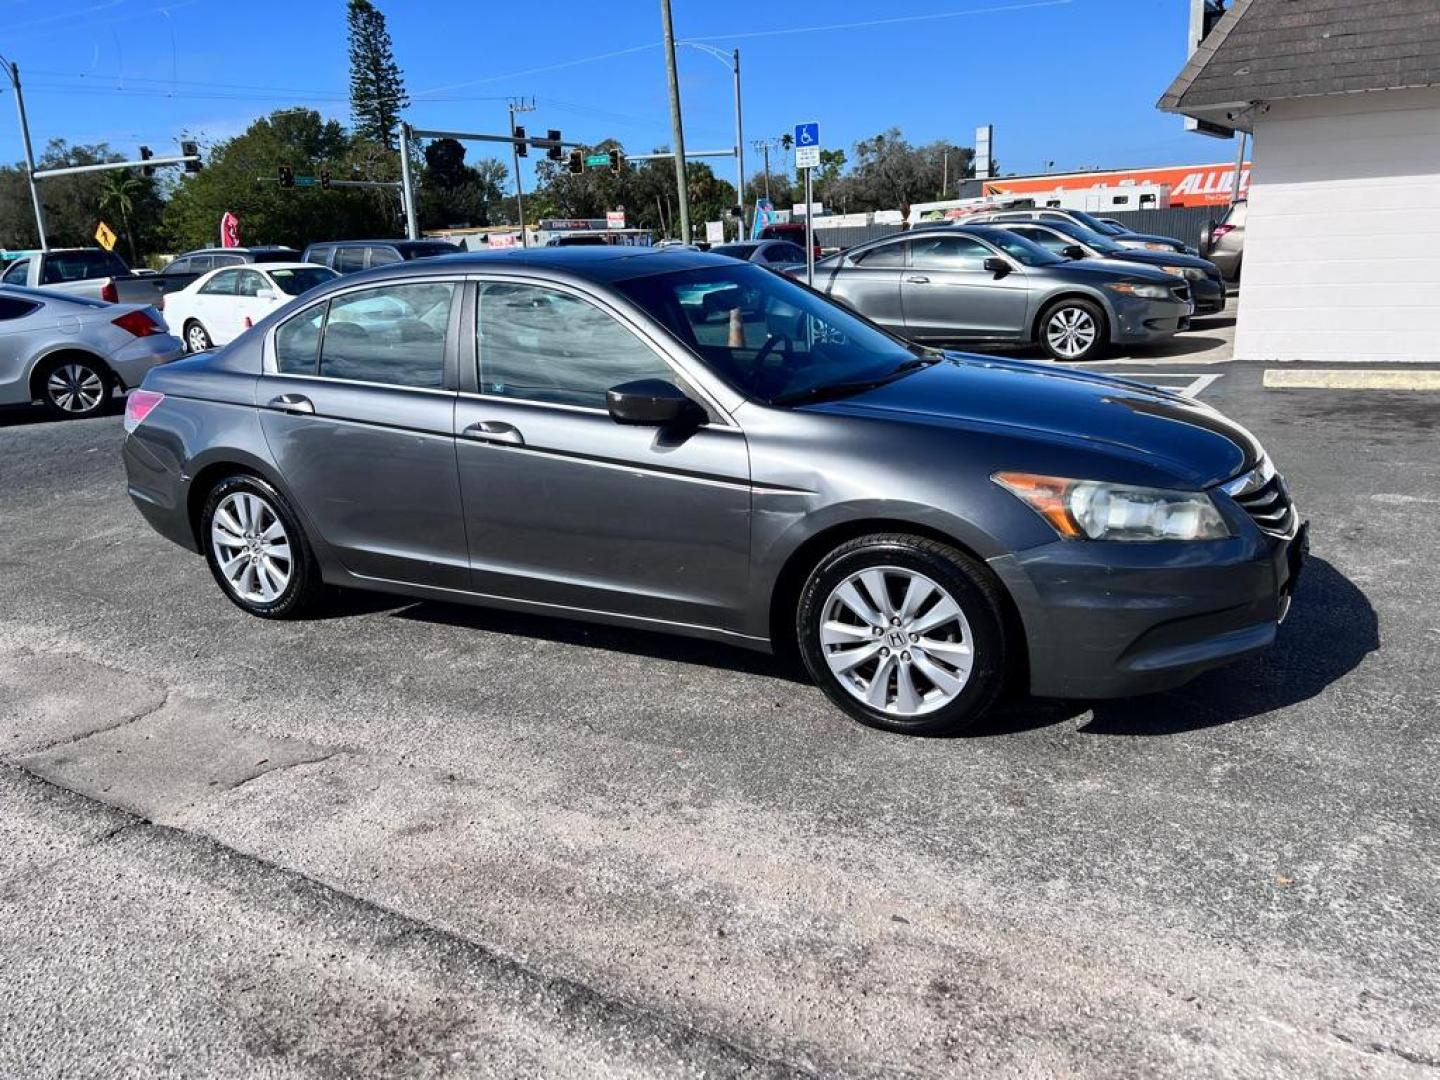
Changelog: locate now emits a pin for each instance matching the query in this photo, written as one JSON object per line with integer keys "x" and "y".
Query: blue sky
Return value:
{"x": 1068, "y": 81}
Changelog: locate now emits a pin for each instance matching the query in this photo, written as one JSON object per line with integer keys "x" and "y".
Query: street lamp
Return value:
{"x": 12, "y": 70}
{"x": 732, "y": 61}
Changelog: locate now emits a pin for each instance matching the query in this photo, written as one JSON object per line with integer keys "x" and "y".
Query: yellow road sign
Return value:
{"x": 105, "y": 237}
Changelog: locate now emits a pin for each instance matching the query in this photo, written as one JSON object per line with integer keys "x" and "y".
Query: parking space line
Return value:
{"x": 1331, "y": 379}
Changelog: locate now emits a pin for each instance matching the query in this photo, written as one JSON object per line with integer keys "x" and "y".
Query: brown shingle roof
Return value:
{"x": 1269, "y": 50}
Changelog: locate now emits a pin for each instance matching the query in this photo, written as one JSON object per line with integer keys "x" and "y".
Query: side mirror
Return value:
{"x": 996, "y": 265}
{"x": 1073, "y": 251}
{"x": 265, "y": 294}
{"x": 650, "y": 403}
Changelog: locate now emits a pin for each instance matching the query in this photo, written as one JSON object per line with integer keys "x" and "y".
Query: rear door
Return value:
{"x": 870, "y": 283}
{"x": 948, "y": 294}
{"x": 358, "y": 408}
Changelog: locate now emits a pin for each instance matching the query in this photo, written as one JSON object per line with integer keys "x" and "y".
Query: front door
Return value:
{"x": 948, "y": 294}
{"x": 566, "y": 508}
{"x": 359, "y": 415}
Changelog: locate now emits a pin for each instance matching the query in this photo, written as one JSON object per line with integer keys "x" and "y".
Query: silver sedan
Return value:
{"x": 70, "y": 352}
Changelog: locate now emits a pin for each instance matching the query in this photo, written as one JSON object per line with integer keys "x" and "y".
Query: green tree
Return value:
{"x": 72, "y": 203}
{"x": 455, "y": 194}
{"x": 239, "y": 177}
{"x": 377, "y": 89}
{"x": 118, "y": 195}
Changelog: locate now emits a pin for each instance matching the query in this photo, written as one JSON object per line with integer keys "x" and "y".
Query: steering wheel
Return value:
{"x": 770, "y": 343}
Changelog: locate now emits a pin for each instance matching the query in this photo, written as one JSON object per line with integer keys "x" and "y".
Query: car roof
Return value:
{"x": 392, "y": 242}
{"x": 595, "y": 264}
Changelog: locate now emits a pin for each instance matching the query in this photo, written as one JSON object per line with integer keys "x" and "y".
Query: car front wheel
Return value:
{"x": 257, "y": 551}
{"x": 1073, "y": 330}
{"x": 196, "y": 338}
{"x": 904, "y": 634}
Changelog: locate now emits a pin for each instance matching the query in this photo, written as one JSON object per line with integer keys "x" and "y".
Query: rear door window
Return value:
{"x": 394, "y": 334}
{"x": 320, "y": 255}
{"x": 297, "y": 342}
{"x": 885, "y": 256}
{"x": 349, "y": 259}
{"x": 250, "y": 283}
{"x": 13, "y": 308}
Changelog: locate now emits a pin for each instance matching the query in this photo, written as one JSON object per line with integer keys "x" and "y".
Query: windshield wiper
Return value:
{"x": 845, "y": 389}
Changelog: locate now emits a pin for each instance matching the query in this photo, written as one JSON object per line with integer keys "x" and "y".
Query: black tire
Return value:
{"x": 966, "y": 581}
{"x": 1082, "y": 309}
{"x": 303, "y": 590}
{"x": 197, "y": 338}
{"x": 74, "y": 386}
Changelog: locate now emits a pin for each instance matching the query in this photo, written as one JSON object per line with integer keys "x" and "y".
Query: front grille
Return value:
{"x": 1182, "y": 293}
{"x": 1262, "y": 494}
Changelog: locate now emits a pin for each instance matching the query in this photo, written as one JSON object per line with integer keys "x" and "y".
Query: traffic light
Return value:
{"x": 191, "y": 148}
{"x": 554, "y": 153}
{"x": 325, "y": 179}
{"x": 522, "y": 148}
{"x": 577, "y": 161}
{"x": 287, "y": 176}
{"x": 616, "y": 162}
{"x": 145, "y": 155}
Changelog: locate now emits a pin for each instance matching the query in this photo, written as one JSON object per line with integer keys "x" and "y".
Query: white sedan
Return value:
{"x": 218, "y": 307}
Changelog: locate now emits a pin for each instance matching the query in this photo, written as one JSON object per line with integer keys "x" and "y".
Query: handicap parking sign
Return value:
{"x": 807, "y": 134}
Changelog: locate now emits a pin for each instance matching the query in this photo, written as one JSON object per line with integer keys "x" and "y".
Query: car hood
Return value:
{"x": 1169, "y": 241}
{"x": 1191, "y": 441}
{"x": 1159, "y": 258}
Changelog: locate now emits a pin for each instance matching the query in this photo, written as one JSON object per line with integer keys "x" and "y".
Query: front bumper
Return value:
{"x": 1107, "y": 620}
{"x": 1209, "y": 296}
{"x": 1139, "y": 322}
{"x": 131, "y": 362}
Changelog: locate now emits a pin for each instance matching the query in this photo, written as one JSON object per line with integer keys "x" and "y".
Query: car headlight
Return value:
{"x": 1146, "y": 292}
{"x": 1189, "y": 273}
{"x": 1096, "y": 510}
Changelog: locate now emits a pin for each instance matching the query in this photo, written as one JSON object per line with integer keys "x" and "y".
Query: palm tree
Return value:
{"x": 118, "y": 197}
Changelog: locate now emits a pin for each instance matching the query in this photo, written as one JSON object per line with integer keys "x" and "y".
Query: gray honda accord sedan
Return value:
{"x": 677, "y": 441}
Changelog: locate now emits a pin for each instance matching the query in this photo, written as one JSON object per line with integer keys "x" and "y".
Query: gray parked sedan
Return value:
{"x": 776, "y": 254}
{"x": 70, "y": 352}
{"x": 677, "y": 441}
{"x": 954, "y": 284}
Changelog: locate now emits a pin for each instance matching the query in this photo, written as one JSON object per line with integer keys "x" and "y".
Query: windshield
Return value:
{"x": 769, "y": 337}
{"x": 1025, "y": 252}
{"x": 1093, "y": 223}
{"x": 1090, "y": 237}
{"x": 293, "y": 282}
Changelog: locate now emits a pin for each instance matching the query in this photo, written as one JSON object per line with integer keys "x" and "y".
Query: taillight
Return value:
{"x": 139, "y": 405}
{"x": 109, "y": 293}
{"x": 138, "y": 323}
{"x": 1221, "y": 230}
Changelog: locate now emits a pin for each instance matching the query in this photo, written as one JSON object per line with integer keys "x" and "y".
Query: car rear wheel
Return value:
{"x": 1073, "y": 330}
{"x": 257, "y": 550}
{"x": 904, "y": 634}
{"x": 196, "y": 337}
{"x": 74, "y": 387}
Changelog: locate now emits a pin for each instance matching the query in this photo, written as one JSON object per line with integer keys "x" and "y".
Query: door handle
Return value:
{"x": 292, "y": 403}
{"x": 495, "y": 431}
{"x": 918, "y": 279}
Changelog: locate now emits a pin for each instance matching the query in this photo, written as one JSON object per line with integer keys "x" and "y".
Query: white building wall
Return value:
{"x": 1342, "y": 242}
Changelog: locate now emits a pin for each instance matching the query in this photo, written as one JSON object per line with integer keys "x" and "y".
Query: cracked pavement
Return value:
{"x": 417, "y": 839}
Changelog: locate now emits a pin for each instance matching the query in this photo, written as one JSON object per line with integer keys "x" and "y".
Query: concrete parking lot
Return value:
{"x": 414, "y": 839}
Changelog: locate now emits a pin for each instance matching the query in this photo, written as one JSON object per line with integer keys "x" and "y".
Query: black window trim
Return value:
{"x": 902, "y": 242}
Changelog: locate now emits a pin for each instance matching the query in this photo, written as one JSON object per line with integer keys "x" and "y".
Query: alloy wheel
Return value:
{"x": 196, "y": 338}
{"x": 897, "y": 641}
{"x": 252, "y": 549}
{"x": 1071, "y": 331}
{"x": 75, "y": 388}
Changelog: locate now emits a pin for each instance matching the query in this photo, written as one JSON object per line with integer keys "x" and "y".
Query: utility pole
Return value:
{"x": 763, "y": 145}
{"x": 681, "y": 186}
{"x": 407, "y": 183}
{"x": 519, "y": 105}
{"x": 945, "y": 177}
{"x": 739, "y": 150}
{"x": 13, "y": 70}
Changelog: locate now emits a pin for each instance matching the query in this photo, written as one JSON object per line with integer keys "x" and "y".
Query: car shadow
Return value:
{"x": 1332, "y": 627}
{"x": 657, "y": 646}
{"x": 26, "y": 415}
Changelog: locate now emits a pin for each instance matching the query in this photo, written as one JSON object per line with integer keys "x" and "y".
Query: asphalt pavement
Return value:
{"x": 422, "y": 839}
